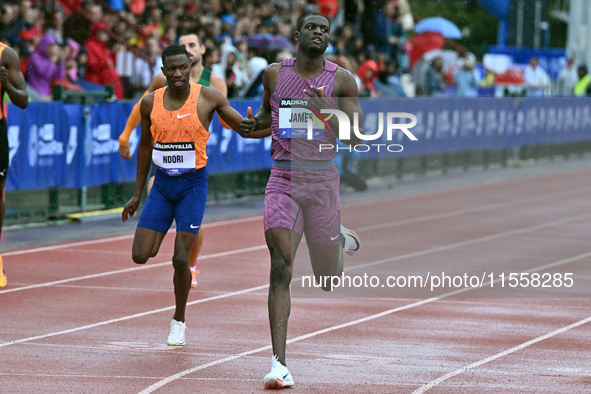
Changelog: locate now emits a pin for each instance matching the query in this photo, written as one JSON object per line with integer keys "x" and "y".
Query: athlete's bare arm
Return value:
{"x": 219, "y": 84}
{"x": 12, "y": 79}
{"x": 134, "y": 117}
{"x": 260, "y": 124}
{"x": 144, "y": 156}
{"x": 210, "y": 101}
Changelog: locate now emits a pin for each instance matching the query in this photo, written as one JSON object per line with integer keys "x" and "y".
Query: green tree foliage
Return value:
{"x": 480, "y": 26}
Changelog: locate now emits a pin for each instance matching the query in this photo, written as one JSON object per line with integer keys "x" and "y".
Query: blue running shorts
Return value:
{"x": 181, "y": 198}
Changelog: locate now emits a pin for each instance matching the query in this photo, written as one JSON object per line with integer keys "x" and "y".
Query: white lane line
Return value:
{"x": 496, "y": 236}
{"x": 368, "y": 228}
{"x": 481, "y": 208}
{"x": 129, "y": 317}
{"x": 514, "y": 349}
{"x": 68, "y": 245}
{"x": 253, "y": 351}
{"x": 178, "y": 375}
{"x": 486, "y": 238}
{"x": 118, "y": 238}
{"x": 77, "y": 376}
{"x": 126, "y": 270}
{"x": 352, "y": 204}
{"x": 451, "y": 190}
{"x": 103, "y": 377}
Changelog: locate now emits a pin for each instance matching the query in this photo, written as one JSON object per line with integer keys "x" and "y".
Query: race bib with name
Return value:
{"x": 294, "y": 117}
{"x": 174, "y": 158}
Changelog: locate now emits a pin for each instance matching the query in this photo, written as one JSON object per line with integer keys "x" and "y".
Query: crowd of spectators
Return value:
{"x": 86, "y": 45}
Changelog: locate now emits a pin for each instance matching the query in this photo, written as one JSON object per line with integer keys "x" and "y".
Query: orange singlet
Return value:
{"x": 2, "y": 46}
{"x": 180, "y": 139}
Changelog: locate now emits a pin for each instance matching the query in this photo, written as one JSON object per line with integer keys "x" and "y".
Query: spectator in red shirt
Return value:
{"x": 100, "y": 68}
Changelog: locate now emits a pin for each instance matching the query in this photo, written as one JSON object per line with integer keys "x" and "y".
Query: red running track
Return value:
{"x": 81, "y": 317}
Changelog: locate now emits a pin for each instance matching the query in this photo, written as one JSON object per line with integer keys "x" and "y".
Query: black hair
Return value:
{"x": 303, "y": 18}
{"x": 174, "y": 50}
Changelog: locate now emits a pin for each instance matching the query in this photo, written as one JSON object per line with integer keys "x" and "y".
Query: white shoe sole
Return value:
{"x": 276, "y": 384}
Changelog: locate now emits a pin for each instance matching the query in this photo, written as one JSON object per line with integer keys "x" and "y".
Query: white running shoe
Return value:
{"x": 177, "y": 333}
{"x": 194, "y": 273}
{"x": 352, "y": 241}
{"x": 279, "y": 376}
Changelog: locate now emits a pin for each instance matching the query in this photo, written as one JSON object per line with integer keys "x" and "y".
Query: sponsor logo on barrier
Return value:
{"x": 43, "y": 147}
{"x": 102, "y": 145}
{"x": 13, "y": 142}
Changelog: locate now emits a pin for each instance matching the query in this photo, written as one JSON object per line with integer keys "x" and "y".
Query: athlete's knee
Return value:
{"x": 180, "y": 263}
{"x": 139, "y": 258}
{"x": 280, "y": 273}
{"x": 325, "y": 282}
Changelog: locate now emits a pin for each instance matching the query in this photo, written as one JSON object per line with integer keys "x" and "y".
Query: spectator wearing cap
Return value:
{"x": 46, "y": 64}
{"x": 227, "y": 28}
{"x": 100, "y": 68}
{"x": 28, "y": 43}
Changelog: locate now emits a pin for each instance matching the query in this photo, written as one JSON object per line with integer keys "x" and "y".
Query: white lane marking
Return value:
{"x": 129, "y": 317}
{"x": 451, "y": 190}
{"x": 352, "y": 204}
{"x": 119, "y": 238}
{"x": 375, "y": 227}
{"x": 481, "y": 208}
{"x": 178, "y": 375}
{"x": 562, "y": 221}
{"x": 122, "y": 271}
{"x": 469, "y": 242}
{"x": 514, "y": 349}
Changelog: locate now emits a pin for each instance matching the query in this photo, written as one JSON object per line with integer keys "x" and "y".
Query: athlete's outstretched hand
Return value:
{"x": 249, "y": 124}
{"x": 130, "y": 208}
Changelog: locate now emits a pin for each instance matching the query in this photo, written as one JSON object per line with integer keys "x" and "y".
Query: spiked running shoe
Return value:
{"x": 2, "y": 274}
{"x": 352, "y": 241}
{"x": 279, "y": 376}
{"x": 177, "y": 333}
{"x": 194, "y": 274}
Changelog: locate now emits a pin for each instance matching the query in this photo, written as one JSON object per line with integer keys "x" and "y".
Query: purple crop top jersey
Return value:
{"x": 289, "y": 118}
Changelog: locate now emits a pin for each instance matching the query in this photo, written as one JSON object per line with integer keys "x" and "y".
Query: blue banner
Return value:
{"x": 72, "y": 145}
{"x": 461, "y": 124}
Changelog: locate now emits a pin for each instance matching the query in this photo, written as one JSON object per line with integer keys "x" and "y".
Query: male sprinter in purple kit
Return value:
{"x": 302, "y": 194}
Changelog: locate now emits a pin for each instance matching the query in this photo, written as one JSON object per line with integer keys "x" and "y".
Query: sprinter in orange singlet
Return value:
{"x": 174, "y": 124}
{"x": 202, "y": 76}
{"x": 12, "y": 83}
